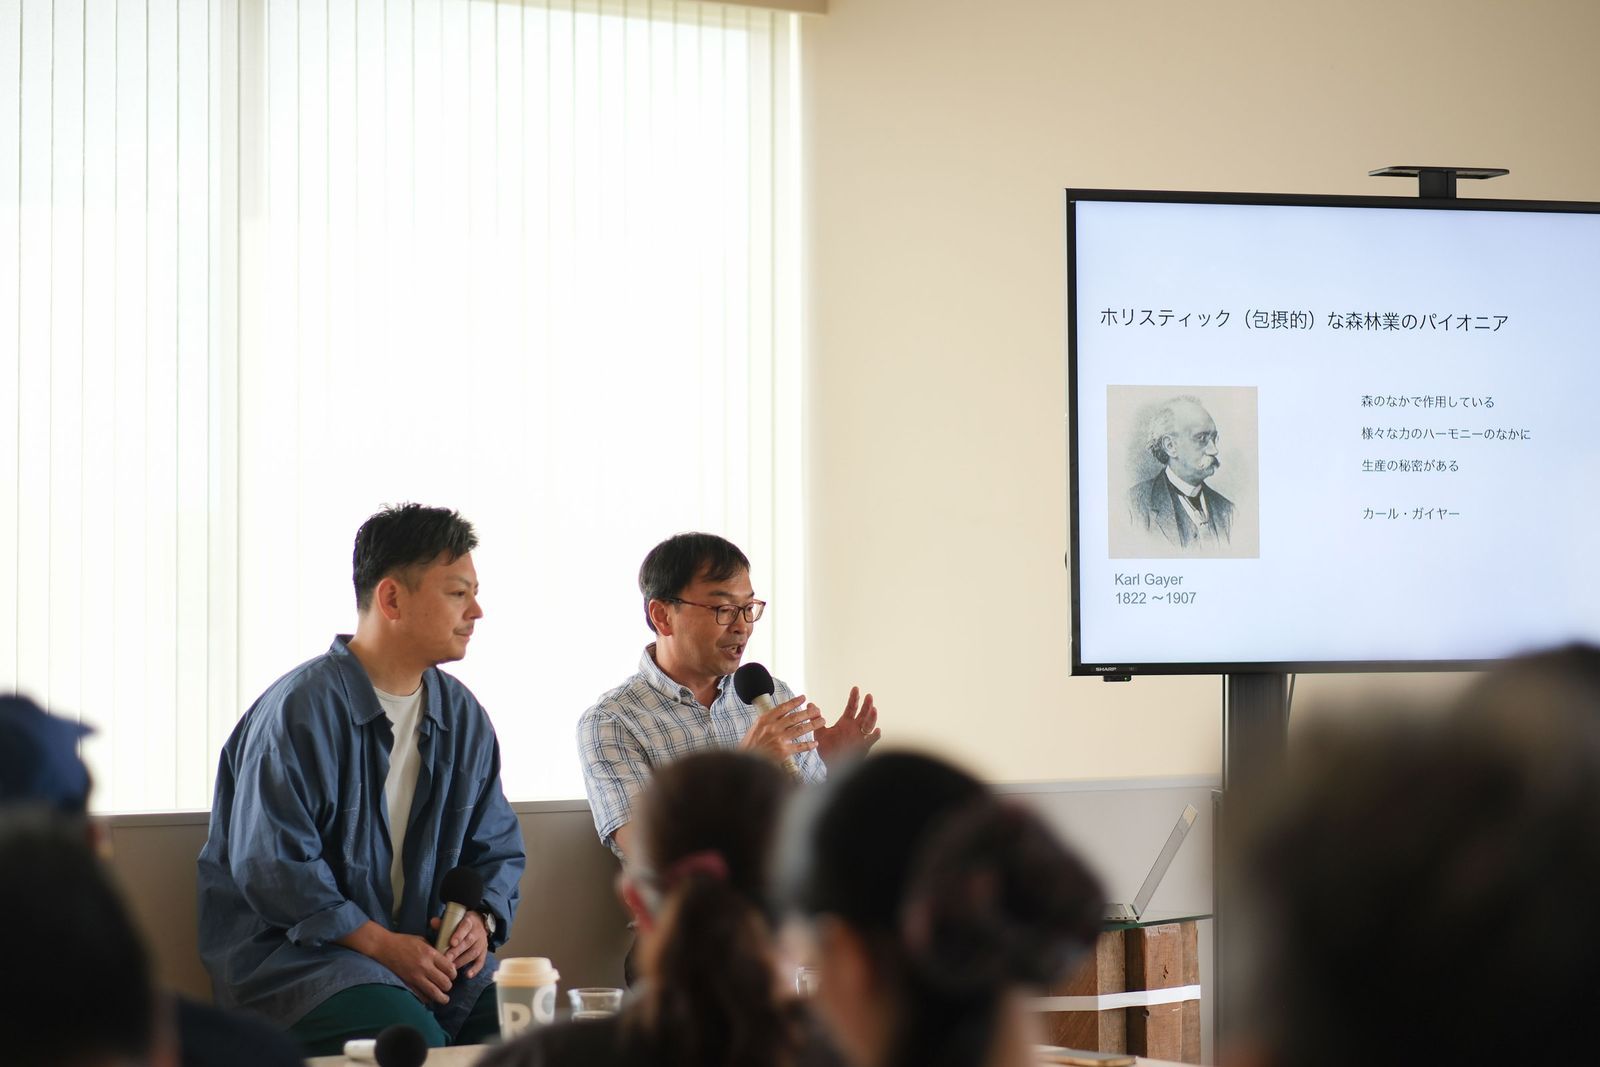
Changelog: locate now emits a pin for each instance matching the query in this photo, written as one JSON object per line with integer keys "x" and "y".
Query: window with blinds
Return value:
{"x": 266, "y": 265}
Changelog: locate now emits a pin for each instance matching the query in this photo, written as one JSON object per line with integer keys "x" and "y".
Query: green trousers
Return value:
{"x": 367, "y": 1010}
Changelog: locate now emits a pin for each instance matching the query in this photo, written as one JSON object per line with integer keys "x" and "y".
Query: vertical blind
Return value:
{"x": 267, "y": 265}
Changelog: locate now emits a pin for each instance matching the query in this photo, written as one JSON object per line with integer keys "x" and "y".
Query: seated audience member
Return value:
{"x": 77, "y": 992}
{"x": 713, "y": 993}
{"x": 40, "y": 771}
{"x": 1421, "y": 889}
{"x": 702, "y": 609}
{"x": 934, "y": 909}
{"x": 347, "y": 792}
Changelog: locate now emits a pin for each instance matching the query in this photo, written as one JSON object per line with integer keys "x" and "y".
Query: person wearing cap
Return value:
{"x": 39, "y": 761}
{"x": 699, "y": 603}
{"x": 346, "y": 794}
{"x": 49, "y": 850}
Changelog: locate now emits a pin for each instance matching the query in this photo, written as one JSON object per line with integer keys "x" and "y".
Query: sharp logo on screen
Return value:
{"x": 1108, "y": 670}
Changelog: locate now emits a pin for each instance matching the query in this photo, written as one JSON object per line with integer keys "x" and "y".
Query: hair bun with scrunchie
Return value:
{"x": 995, "y": 899}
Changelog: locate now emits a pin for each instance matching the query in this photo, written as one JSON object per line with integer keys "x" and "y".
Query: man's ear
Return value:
{"x": 386, "y": 598}
{"x": 661, "y": 615}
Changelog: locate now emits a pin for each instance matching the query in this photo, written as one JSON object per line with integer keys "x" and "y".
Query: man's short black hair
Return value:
{"x": 405, "y": 536}
{"x": 670, "y": 566}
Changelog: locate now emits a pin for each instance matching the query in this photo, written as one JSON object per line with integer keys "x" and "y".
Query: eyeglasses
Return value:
{"x": 725, "y": 612}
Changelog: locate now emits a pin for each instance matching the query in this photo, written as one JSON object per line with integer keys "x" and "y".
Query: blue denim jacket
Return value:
{"x": 298, "y": 852}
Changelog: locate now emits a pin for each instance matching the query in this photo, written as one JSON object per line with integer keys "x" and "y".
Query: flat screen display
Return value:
{"x": 1330, "y": 433}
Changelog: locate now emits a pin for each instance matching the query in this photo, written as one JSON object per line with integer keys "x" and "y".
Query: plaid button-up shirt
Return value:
{"x": 649, "y": 721}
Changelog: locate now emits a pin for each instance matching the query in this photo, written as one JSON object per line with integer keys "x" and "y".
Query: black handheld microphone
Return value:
{"x": 401, "y": 1046}
{"x": 461, "y": 891}
{"x": 753, "y": 683}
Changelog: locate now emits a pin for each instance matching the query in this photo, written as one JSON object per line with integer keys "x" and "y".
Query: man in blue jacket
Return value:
{"x": 347, "y": 791}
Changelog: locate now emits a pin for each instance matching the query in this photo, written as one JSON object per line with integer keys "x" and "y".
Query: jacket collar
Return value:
{"x": 364, "y": 706}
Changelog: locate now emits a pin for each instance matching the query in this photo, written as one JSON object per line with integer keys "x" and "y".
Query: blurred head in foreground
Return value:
{"x": 932, "y": 906}
{"x": 77, "y": 990}
{"x": 1425, "y": 885}
{"x": 697, "y": 891}
{"x": 710, "y": 993}
{"x": 80, "y": 991}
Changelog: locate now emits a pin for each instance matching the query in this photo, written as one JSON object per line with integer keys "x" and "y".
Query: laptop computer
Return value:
{"x": 1135, "y": 911}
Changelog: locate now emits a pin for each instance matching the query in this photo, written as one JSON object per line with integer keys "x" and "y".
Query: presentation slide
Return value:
{"x": 1318, "y": 434}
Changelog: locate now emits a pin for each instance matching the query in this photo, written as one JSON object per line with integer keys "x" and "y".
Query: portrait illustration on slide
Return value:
{"x": 1183, "y": 472}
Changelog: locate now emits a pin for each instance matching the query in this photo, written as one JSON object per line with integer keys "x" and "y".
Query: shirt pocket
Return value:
{"x": 460, "y": 803}
{"x": 464, "y": 793}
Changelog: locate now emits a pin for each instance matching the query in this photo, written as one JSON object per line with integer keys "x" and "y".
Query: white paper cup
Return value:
{"x": 525, "y": 992}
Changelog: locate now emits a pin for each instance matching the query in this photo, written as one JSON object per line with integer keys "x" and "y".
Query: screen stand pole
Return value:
{"x": 1255, "y": 736}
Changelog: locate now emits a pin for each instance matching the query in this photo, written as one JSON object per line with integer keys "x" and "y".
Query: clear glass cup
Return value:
{"x": 594, "y": 1002}
{"x": 805, "y": 981}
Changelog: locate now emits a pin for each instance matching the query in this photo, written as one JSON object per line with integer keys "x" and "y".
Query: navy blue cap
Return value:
{"x": 39, "y": 761}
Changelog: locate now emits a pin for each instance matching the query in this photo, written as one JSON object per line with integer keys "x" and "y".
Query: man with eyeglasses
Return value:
{"x": 699, "y": 603}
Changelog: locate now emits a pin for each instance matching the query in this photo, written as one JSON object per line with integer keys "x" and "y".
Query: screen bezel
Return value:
{"x": 1073, "y": 198}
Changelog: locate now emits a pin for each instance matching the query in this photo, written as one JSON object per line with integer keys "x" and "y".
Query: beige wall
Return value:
{"x": 940, "y": 137}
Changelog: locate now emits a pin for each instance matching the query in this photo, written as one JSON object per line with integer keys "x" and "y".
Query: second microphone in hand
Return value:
{"x": 755, "y": 687}
{"x": 461, "y": 891}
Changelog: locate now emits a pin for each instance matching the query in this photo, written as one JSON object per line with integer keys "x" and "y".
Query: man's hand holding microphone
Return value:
{"x": 461, "y": 945}
{"x": 781, "y": 730}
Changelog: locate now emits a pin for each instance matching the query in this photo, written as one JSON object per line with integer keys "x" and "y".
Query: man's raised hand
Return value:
{"x": 776, "y": 733}
{"x": 855, "y": 732}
